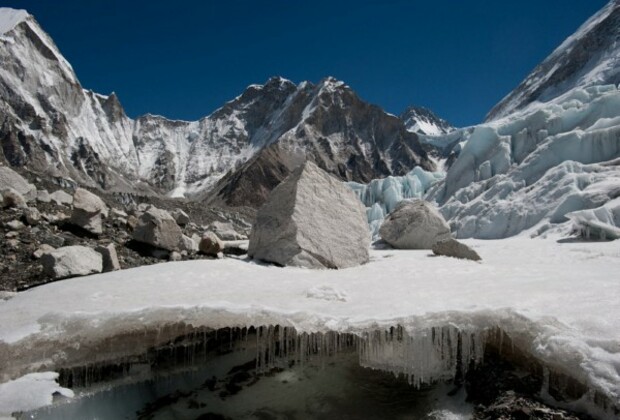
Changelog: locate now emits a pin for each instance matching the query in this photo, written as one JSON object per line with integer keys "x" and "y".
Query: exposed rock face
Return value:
{"x": 11, "y": 179}
{"x": 51, "y": 124}
{"x": 88, "y": 211}
{"x": 71, "y": 261}
{"x": 311, "y": 220}
{"x": 414, "y": 224}
{"x": 210, "y": 244}
{"x": 109, "y": 258}
{"x": 453, "y": 248}
{"x": 158, "y": 228}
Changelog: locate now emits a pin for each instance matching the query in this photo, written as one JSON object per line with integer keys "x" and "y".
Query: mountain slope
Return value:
{"x": 591, "y": 56}
{"x": 50, "y": 124}
{"x": 330, "y": 125}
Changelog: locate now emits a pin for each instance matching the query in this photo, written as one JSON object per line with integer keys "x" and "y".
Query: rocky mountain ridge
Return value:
{"x": 589, "y": 57}
{"x": 53, "y": 126}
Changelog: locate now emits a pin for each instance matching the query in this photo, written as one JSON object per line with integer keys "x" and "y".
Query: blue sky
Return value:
{"x": 184, "y": 59}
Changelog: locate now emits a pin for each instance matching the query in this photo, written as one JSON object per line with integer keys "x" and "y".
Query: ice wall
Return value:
{"x": 381, "y": 196}
{"x": 535, "y": 166}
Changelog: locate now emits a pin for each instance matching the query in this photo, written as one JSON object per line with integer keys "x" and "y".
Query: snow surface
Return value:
{"x": 563, "y": 296}
{"x": 9, "y": 18}
{"x": 30, "y": 392}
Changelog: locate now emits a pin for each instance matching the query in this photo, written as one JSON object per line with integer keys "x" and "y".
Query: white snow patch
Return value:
{"x": 30, "y": 392}
{"x": 10, "y": 18}
{"x": 328, "y": 293}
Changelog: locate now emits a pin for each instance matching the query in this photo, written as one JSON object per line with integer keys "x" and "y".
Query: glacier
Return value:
{"x": 534, "y": 292}
{"x": 381, "y": 196}
{"x": 533, "y": 167}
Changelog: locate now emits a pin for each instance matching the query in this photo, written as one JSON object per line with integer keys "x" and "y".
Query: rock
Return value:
{"x": 210, "y": 244}
{"x": 158, "y": 228}
{"x": 32, "y": 216}
{"x": 71, "y": 261}
{"x": 225, "y": 231}
{"x": 55, "y": 241}
{"x": 13, "y": 244}
{"x": 12, "y": 198}
{"x": 189, "y": 245}
{"x": 143, "y": 207}
{"x": 175, "y": 256}
{"x": 15, "y": 225}
{"x": 453, "y": 248}
{"x": 119, "y": 214}
{"x": 311, "y": 220}
{"x": 11, "y": 234}
{"x": 61, "y": 198}
{"x": 235, "y": 247}
{"x": 109, "y": 258}
{"x": 132, "y": 222}
{"x": 414, "y": 224}
{"x": 43, "y": 249}
{"x": 11, "y": 179}
{"x": 180, "y": 216}
{"x": 88, "y": 211}
{"x": 43, "y": 196}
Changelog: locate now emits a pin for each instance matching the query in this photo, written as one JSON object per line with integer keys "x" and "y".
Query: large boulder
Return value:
{"x": 88, "y": 211}
{"x": 453, "y": 248}
{"x": 210, "y": 244}
{"x": 61, "y": 198}
{"x": 414, "y": 224}
{"x": 180, "y": 216}
{"x": 70, "y": 261}
{"x": 158, "y": 228}
{"x": 11, "y": 179}
{"x": 225, "y": 231}
{"x": 311, "y": 220}
{"x": 12, "y": 198}
{"x": 109, "y": 257}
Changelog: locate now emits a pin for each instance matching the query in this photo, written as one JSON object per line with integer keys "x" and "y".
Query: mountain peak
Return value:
{"x": 10, "y": 18}
{"x": 422, "y": 120}
{"x": 591, "y": 56}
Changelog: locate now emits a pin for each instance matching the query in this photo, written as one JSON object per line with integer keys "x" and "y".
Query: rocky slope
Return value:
{"x": 51, "y": 125}
{"x": 591, "y": 56}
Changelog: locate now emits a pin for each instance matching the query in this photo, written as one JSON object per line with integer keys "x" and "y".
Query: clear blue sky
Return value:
{"x": 183, "y": 59}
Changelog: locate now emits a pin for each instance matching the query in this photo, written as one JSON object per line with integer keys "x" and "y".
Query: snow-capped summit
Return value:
{"x": 589, "y": 57}
{"x": 421, "y": 120}
{"x": 52, "y": 125}
{"x": 9, "y": 18}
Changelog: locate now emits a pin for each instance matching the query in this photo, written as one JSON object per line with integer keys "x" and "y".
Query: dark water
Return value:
{"x": 230, "y": 386}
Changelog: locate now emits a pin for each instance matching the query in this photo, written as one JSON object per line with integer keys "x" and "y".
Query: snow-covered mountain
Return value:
{"x": 591, "y": 56}
{"x": 552, "y": 150}
{"x": 423, "y": 121}
{"x": 50, "y": 124}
